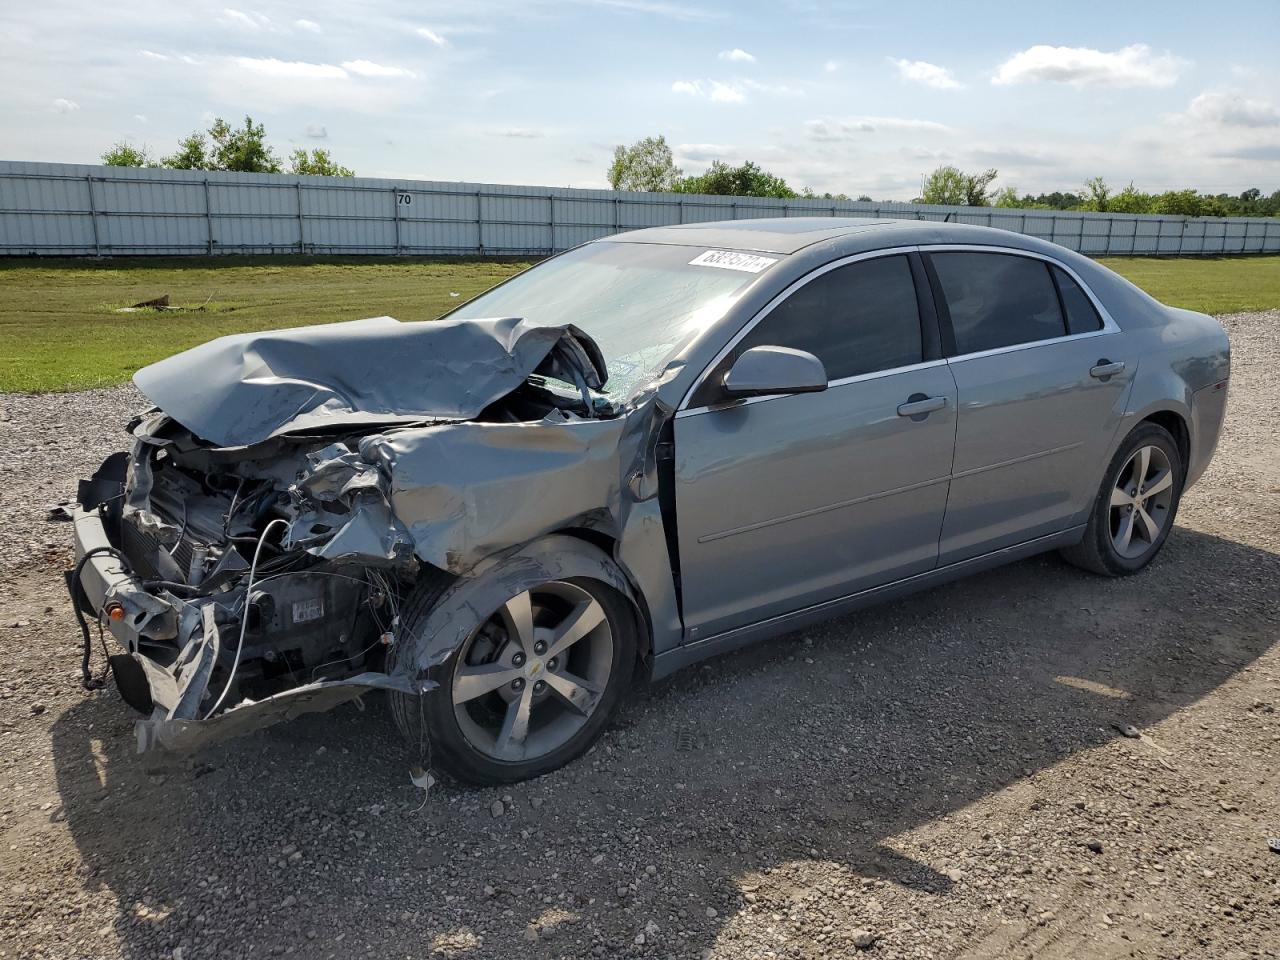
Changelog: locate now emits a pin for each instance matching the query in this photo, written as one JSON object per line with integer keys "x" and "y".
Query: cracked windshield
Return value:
{"x": 640, "y": 302}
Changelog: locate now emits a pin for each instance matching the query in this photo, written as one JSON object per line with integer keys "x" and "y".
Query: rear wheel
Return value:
{"x": 1135, "y": 509}
{"x": 532, "y": 687}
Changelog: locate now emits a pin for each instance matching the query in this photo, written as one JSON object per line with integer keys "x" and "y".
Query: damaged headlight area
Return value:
{"x": 290, "y": 489}
{"x": 247, "y": 585}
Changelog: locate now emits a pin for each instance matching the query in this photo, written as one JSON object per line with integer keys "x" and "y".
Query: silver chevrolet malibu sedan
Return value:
{"x": 651, "y": 449}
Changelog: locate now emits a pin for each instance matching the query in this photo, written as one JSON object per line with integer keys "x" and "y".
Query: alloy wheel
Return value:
{"x": 1140, "y": 502}
{"x": 530, "y": 677}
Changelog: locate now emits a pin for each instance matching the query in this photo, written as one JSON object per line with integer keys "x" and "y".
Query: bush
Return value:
{"x": 125, "y": 154}
{"x": 317, "y": 163}
{"x": 224, "y": 147}
{"x": 952, "y": 186}
{"x": 645, "y": 165}
{"x": 747, "y": 180}
{"x": 1130, "y": 200}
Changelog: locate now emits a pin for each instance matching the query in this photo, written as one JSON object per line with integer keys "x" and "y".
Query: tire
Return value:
{"x": 1105, "y": 548}
{"x": 562, "y": 699}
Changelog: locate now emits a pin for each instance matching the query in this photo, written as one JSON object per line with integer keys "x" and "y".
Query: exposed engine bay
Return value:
{"x": 261, "y": 573}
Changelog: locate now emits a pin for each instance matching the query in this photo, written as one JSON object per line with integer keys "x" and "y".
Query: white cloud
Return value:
{"x": 314, "y": 89}
{"x": 657, "y": 8}
{"x": 924, "y": 153}
{"x": 293, "y": 69}
{"x": 309, "y": 25}
{"x": 367, "y": 68}
{"x": 62, "y": 105}
{"x": 726, "y": 93}
{"x": 1233, "y": 110}
{"x": 1132, "y": 66}
{"x": 317, "y": 131}
{"x": 1222, "y": 125}
{"x": 734, "y": 92}
{"x": 777, "y": 89}
{"x": 703, "y": 152}
{"x": 519, "y": 133}
{"x": 1217, "y": 134}
{"x": 1266, "y": 152}
{"x": 169, "y": 58}
{"x": 1016, "y": 157}
{"x": 929, "y": 74}
{"x": 846, "y": 128}
{"x": 247, "y": 21}
{"x": 141, "y": 118}
{"x": 736, "y": 55}
{"x": 428, "y": 34}
{"x": 1245, "y": 72}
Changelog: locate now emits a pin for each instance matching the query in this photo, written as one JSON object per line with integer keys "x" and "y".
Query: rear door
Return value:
{"x": 788, "y": 501}
{"x": 1042, "y": 380}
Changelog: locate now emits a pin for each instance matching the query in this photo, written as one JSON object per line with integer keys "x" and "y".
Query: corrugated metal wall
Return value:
{"x": 57, "y": 209}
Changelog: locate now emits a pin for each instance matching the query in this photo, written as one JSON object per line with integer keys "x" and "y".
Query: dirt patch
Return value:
{"x": 947, "y": 776}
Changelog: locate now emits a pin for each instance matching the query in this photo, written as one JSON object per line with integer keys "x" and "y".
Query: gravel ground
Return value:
{"x": 1030, "y": 762}
{"x": 50, "y": 441}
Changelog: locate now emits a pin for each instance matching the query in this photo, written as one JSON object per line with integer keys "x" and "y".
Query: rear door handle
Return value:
{"x": 1104, "y": 369}
{"x": 918, "y": 406}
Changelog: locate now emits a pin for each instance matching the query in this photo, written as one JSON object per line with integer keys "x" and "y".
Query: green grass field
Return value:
{"x": 1211, "y": 285}
{"x": 60, "y": 329}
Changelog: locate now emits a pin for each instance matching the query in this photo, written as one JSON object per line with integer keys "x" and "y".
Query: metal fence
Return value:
{"x": 55, "y": 209}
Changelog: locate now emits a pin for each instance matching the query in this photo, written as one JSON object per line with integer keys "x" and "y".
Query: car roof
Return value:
{"x": 787, "y": 235}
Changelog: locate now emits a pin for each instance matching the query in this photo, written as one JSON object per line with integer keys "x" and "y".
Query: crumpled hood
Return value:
{"x": 245, "y": 388}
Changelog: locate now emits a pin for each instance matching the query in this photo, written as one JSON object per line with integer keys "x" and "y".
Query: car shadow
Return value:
{"x": 821, "y": 746}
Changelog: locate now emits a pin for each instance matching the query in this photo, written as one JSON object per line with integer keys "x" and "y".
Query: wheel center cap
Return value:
{"x": 533, "y": 668}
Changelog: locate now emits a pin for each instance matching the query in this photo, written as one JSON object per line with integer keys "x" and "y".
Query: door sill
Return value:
{"x": 696, "y": 650}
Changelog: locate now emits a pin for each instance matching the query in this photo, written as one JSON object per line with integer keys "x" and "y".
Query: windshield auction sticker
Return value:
{"x": 730, "y": 260}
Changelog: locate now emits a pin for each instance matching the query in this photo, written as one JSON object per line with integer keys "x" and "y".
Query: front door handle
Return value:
{"x": 918, "y": 406}
{"x": 1104, "y": 369}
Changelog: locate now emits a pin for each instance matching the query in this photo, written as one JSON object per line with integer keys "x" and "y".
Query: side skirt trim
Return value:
{"x": 672, "y": 660}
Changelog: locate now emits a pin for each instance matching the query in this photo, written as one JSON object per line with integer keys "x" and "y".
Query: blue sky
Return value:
{"x": 855, "y": 97}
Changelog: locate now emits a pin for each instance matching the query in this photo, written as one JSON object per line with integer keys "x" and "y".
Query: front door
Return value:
{"x": 788, "y": 501}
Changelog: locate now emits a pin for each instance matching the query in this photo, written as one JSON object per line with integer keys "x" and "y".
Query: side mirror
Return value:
{"x": 763, "y": 371}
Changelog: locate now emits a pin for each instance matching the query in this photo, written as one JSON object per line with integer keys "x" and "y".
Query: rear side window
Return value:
{"x": 859, "y": 318}
{"x": 998, "y": 300}
{"x": 1082, "y": 316}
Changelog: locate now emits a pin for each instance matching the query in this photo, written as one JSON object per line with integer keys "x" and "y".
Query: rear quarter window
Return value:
{"x": 1082, "y": 315}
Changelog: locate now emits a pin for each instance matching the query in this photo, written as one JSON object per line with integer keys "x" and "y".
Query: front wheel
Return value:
{"x": 1135, "y": 509}
{"x": 532, "y": 687}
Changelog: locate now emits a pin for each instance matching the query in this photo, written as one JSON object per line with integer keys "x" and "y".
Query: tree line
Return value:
{"x": 224, "y": 147}
{"x": 649, "y": 165}
{"x": 1099, "y": 197}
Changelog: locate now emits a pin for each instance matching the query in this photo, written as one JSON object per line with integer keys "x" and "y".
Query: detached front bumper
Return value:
{"x": 171, "y": 647}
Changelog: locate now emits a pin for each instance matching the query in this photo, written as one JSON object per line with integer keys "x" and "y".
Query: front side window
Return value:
{"x": 859, "y": 318}
{"x": 998, "y": 299}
